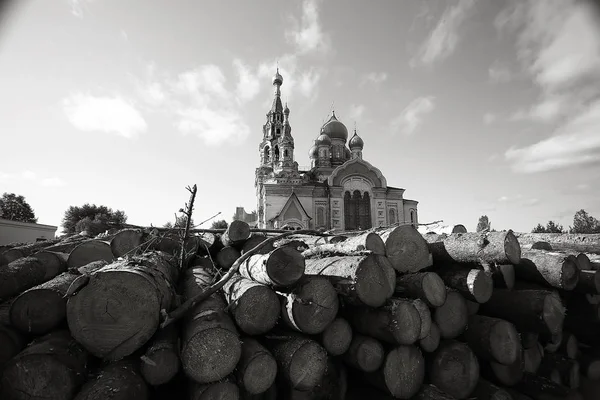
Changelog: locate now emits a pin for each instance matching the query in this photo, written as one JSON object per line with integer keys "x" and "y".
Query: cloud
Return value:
{"x": 531, "y": 202}
{"x": 307, "y": 34}
{"x": 104, "y": 114}
{"x": 356, "y": 111}
{"x": 576, "y": 143}
{"x": 308, "y": 82}
{"x": 77, "y": 7}
{"x": 558, "y": 44}
{"x": 499, "y": 73}
{"x": 412, "y": 116}
{"x": 445, "y": 37}
{"x": 32, "y": 177}
{"x": 489, "y": 118}
{"x": 53, "y": 182}
{"x": 375, "y": 78}
{"x": 248, "y": 85}
{"x": 295, "y": 79}
{"x": 582, "y": 186}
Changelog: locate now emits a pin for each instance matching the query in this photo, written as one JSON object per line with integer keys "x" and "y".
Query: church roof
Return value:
{"x": 291, "y": 201}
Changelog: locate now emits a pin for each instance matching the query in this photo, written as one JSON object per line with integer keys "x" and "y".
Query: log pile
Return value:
{"x": 387, "y": 313}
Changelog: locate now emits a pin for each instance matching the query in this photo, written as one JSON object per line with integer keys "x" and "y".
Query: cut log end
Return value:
{"x": 434, "y": 289}
{"x": 37, "y": 312}
{"x": 541, "y": 246}
{"x": 455, "y": 369}
{"x": 312, "y": 306}
{"x": 337, "y": 336}
{"x": 406, "y": 249}
{"x": 114, "y": 314}
{"x": 451, "y": 318}
{"x": 307, "y": 366}
{"x": 257, "y": 311}
{"x": 225, "y": 390}
{"x": 285, "y": 266}
{"x": 365, "y": 353}
{"x": 373, "y": 282}
{"x": 160, "y": 367}
{"x": 431, "y": 342}
{"x": 259, "y": 374}
{"x": 211, "y": 354}
{"x": 512, "y": 248}
{"x": 570, "y": 274}
{"x": 505, "y": 344}
{"x": 553, "y": 312}
{"x": 404, "y": 371}
{"x": 480, "y": 284}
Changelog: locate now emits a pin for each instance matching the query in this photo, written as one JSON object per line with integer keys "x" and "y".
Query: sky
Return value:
{"x": 475, "y": 107}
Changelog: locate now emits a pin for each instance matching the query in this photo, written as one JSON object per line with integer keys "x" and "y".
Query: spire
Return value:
{"x": 277, "y": 82}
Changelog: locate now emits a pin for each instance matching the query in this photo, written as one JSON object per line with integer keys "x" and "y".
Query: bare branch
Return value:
{"x": 188, "y": 212}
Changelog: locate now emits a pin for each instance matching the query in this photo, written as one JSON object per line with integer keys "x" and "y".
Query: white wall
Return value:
{"x": 16, "y": 232}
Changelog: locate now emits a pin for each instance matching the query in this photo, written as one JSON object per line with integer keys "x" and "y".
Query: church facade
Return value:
{"x": 341, "y": 191}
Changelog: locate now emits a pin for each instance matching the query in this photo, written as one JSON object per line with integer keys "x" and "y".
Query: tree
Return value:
{"x": 179, "y": 223}
{"x": 222, "y": 224}
{"x": 551, "y": 227}
{"x": 15, "y": 208}
{"x": 483, "y": 224}
{"x": 95, "y": 219}
{"x": 584, "y": 223}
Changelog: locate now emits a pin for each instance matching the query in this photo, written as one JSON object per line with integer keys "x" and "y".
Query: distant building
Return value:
{"x": 242, "y": 215}
{"x": 340, "y": 190}
{"x": 24, "y": 232}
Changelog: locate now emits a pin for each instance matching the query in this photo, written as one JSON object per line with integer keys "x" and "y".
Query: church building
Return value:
{"x": 340, "y": 191}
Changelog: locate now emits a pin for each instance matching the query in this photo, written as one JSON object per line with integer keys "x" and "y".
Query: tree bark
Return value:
{"x": 365, "y": 353}
{"x": 42, "y": 308}
{"x": 425, "y": 315}
{"x": 541, "y": 246}
{"x": 493, "y": 339}
{"x": 119, "y": 309}
{"x": 486, "y": 390}
{"x": 210, "y": 344}
{"x": 359, "y": 279}
{"x": 406, "y": 248}
{"x": 11, "y": 343}
{"x": 454, "y": 369}
{"x": 451, "y": 318}
{"x": 117, "y": 381}
{"x": 367, "y": 241}
{"x": 581, "y": 243}
{"x": 14, "y": 253}
{"x": 430, "y": 343}
{"x": 236, "y": 234}
{"x": 396, "y": 322}
{"x": 88, "y": 251}
{"x": 227, "y": 256}
{"x": 337, "y": 336}
{"x": 553, "y": 269}
{"x": 427, "y": 286}
{"x": 530, "y": 310}
{"x": 23, "y": 274}
{"x": 160, "y": 362}
{"x": 301, "y": 362}
{"x": 281, "y": 267}
{"x": 254, "y": 307}
{"x": 402, "y": 372}
{"x": 311, "y": 306}
{"x": 473, "y": 284}
{"x": 54, "y": 263}
{"x": 486, "y": 248}
{"x": 257, "y": 367}
{"x": 52, "y": 367}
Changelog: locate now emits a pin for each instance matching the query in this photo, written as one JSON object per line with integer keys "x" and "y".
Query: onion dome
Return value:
{"x": 323, "y": 139}
{"x": 313, "y": 152}
{"x": 335, "y": 129}
{"x": 286, "y": 110}
{"x": 277, "y": 78}
{"x": 356, "y": 142}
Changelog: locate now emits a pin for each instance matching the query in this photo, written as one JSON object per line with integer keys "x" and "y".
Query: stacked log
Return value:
{"x": 387, "y": 313}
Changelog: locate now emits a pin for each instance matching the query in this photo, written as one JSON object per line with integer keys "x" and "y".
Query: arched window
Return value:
{"x": 413, "y": 219}
{"x": 392, "y": 217}
{"x": 276, "y": 153}
{"x": 285, "y": 153}
{"x": 267, "y": 154}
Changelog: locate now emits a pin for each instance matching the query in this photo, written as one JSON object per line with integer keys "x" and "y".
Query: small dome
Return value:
{"x": 286, "y": 110}
{"x": 323, "y": 139}
{"x": 335, "y": 129}
{"x": 277, "y": 78}
{"x": 313, "y": 152}
{"x": 356, "y": 142}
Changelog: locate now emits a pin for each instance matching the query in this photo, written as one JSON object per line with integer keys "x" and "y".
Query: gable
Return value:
{"x": 292, "y": 212}
{"x": 357, "y": 167}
